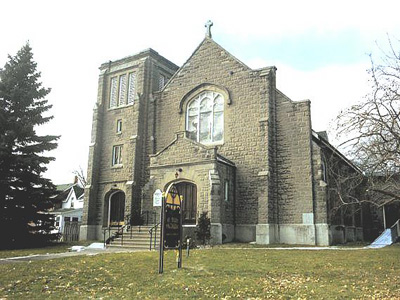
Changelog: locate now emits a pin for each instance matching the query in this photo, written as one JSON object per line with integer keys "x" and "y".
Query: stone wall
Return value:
{"x": 294, "y": 160}
{"x": 295, "y": 207}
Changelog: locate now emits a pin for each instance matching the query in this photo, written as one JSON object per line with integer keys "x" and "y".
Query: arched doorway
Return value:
{"x": 116, "y": 209}
{"x": 189, "y": 192}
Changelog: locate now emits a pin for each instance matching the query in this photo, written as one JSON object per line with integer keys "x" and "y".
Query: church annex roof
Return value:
{"x": 321, "y": 139}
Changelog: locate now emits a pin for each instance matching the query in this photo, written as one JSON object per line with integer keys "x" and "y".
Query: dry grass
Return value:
{"x": 211, "y": 273}
{"x": 51, "y": 248}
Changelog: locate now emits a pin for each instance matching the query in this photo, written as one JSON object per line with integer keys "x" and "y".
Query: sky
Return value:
{"x": 320, "y": 48}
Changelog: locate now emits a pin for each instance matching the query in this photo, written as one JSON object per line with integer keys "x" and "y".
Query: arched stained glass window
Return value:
{"x": 205, "y": 118}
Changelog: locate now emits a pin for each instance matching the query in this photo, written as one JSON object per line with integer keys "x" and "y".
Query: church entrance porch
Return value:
{"x": 204, "y": 178}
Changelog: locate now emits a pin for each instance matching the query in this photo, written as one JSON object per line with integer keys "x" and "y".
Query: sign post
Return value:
{"x": 171, "y": 225}
{"x": 161, "y": 258}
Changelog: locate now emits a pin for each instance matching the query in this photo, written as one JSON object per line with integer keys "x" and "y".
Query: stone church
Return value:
{"x": 235, "y": 146}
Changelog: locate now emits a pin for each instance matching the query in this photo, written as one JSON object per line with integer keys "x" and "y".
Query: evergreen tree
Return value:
{"x": 24, "y": 193}
{"x": 203, "y": 228}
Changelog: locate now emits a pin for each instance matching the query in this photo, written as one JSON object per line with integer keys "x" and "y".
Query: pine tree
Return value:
{"x": 203, "y": 228}
{"x": 24, "y": 193}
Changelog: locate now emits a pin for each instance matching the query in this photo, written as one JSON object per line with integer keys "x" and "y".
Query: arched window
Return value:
{"x": 324, "y": 175}
{"x": 205, "y": 118}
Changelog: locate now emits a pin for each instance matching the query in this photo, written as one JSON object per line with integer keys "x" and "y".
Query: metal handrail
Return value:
{"x": 147, "y": 217}
{"x": 118, "y": 232}
{"x": 155, "y": 234}
{"x": 113, "y": 236}
{"x": 395, "y": 231}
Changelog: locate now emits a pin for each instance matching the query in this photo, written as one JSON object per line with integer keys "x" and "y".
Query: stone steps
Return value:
{"x": 136, "y": 237}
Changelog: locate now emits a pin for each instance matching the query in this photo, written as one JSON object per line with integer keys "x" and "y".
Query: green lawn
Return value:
{"x": 211, "y": 273}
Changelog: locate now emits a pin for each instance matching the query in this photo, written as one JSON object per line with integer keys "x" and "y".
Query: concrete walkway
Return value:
{"x": 48, "y": 256}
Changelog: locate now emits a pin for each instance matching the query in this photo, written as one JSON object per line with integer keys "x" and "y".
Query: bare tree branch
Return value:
{"x": 81, "y": 176}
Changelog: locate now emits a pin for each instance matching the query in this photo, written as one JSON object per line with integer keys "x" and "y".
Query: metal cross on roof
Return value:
{"x": 208, "y": 26}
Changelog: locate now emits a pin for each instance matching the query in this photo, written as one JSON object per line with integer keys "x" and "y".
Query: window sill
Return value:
{"x": 121, "y": 106}
{"x": 119, "y": 166}
{"x": 213, "y": 144}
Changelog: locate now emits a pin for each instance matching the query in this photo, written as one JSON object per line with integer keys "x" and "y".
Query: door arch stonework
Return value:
{"x": 188, "y": 190}
{"x": 116, "y": 208}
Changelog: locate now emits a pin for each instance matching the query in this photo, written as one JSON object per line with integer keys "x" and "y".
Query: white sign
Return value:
{"x": 157, "y": 198}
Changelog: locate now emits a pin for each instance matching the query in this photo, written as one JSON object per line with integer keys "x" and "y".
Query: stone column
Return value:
{"x": 215, "y": 205}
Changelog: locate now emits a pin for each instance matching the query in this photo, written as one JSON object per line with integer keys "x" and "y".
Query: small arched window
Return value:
{"x": 324, "y": 175}
{"x": 205, "y": 118}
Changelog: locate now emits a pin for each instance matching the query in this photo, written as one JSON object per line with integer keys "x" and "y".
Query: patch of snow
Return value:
{"x": 96, "y": 246}
{"x": 77, "y": 248}
{"x": 383, "y": 240}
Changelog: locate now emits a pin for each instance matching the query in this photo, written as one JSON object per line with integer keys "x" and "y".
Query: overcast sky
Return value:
{"x": 320, "y": 49}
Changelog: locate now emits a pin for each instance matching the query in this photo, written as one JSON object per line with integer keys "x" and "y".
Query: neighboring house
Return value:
{"x": 68, "y": 205}
{"x": 232, "y": 143}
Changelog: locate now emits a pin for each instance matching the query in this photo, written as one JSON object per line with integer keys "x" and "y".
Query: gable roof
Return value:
{"x": 205, "y": 40}
{"x": 190, "y": 152}
{"x": 65, "y": 189}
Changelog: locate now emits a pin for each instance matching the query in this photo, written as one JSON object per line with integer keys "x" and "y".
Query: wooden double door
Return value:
{"x": 189, "y": 206}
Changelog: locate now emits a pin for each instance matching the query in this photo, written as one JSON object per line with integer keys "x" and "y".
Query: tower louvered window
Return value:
{"x": 122, "y": 90}
{"x": 131, "y": 88}
{"x": 161, "y": 81}
{"x": 113, "y": 92}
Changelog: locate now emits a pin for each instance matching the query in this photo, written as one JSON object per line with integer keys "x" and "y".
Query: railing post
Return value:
{"x": 104, "y": 237}
{"x": 398, "y": 228}
{"x": 122, "y": 236}
{"x": 155, "y": 238}
{"x": 151, "y": 237}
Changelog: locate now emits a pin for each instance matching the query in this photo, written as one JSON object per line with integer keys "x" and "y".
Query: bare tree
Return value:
{"x": 371, "y": 130}
{"x": 80, "y": 174}
{"x": 372, "y": 127}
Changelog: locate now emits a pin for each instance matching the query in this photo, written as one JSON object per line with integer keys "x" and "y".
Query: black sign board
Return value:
{"x": 172, "y": 227}
{"x": 171, "y": 224}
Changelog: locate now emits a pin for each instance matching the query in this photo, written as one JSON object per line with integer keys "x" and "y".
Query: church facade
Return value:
{"x": 233, "y": 144}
